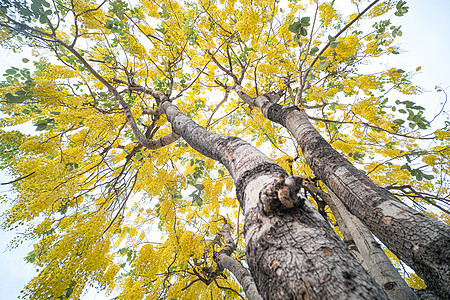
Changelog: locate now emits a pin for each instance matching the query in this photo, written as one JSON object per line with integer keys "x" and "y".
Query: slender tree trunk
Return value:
{"x": 292, "y": 253}
{"x": 369, "y": 252}
{"x": 420, "y": 241}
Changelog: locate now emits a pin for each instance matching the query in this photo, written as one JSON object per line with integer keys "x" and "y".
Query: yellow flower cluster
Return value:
{"x": 248, "y": 24}
{"x": 191, "y": 246}
{"x": 151, "y": 8}
{"x": 317, "y": 92}
{"x": 393, "y": 74}
{"x": 367, "y": 108}
{"x": 381, "y": 8}
{"x": 147, "y": 261}
{"x": 135, "y": 48}
{"x": 53, "y": 72}
{"x": 328, "y": 13}
{"x": 349, "y": 85}
{"x": 368, "y": 83}
{"x": 348, "y": 46}
{"x": 47, "y": 92}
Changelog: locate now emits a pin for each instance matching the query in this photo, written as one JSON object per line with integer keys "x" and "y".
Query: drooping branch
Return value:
{"x": 225, "y": 97}
{"x": 152, "y": 145}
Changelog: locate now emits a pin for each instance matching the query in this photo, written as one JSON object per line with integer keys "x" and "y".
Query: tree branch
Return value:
{"x": 298, "y": 97}
{"x": 224, "y": 260}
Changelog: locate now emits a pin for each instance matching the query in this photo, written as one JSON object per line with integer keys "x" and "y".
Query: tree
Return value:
{"x": 91, "y": 187}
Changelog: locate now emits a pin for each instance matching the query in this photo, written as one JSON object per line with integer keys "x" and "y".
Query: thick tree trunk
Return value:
{"x": 291, "y": 253}
{"x": 420, "y": 241}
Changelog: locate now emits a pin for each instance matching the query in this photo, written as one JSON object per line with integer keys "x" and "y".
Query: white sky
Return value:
{"x": 426, "y": 34}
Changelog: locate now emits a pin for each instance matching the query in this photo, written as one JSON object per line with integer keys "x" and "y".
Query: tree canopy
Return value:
{"x": 113, "y": 198}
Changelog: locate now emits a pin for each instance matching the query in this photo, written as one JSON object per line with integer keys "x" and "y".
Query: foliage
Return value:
{"x": 104, "y": 211}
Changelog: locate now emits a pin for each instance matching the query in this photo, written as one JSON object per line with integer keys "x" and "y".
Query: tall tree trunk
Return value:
{"x": 420, "y": 241}
{"x": 292, "y": 253}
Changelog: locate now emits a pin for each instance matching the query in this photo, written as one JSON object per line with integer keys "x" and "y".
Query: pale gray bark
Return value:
{"x": 242, "y": 275}
{"x": 291, "y": 253}
{"x": 368, "y": 252}
{"x": 224, "y": 260}
{"x": 375, "y": 260}
{"x": 420, "y": 241}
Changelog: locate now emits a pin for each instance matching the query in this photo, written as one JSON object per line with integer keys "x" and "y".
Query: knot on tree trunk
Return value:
{"x": 282, "y": 194}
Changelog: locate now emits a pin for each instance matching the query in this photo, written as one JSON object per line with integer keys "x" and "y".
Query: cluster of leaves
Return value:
{"x": 416, "y": 119}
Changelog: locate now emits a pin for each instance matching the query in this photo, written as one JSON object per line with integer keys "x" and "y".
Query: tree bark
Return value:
{"x": 291, "y": 253}
{"x": 369, "y": 252}
{"x": 420, "y": 241}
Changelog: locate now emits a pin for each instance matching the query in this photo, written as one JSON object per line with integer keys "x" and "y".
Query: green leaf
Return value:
{"x": 406, "y": 167}
{"x": 421, "y": 125}
{"x": 31, "y": 257}
{"x": 294, "y": 27}
{"x": 140, "y": 155}
{"x": 408, "y": 103}
{"x": 41, "y": 127}
{"x": 39, "y": 122}
{"x": 322, "y": 65}
{"x": 43, "y": 19}
{"x": 35, "y": 8}
{"x": 303, "y": 31}
{"x": 314, "y": 51}
{"x": 428, "y": 177}
{"x": 305, "y": 21}
{"x": 10, "y": 98}
{"x": 25, "y": 60}
{"x": 199, "y": 186}
{"x": 198, "y": 200}
{"x": 334, "y": 44}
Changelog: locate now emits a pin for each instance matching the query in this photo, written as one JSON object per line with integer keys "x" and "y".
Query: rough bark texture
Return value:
{"x": 420, "y": 241}
{"x": 426, "y": 295}
{"x": 292, "y": 253}
{"x": 311, "y": 187}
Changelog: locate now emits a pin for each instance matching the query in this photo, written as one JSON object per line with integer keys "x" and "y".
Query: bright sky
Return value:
{"x": 426, "y": 32}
